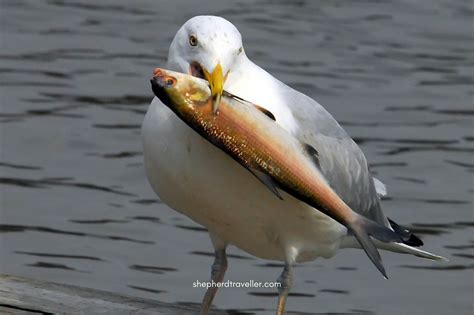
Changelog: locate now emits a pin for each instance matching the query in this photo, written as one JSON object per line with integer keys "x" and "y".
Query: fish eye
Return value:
{"x": 193, "y": 41}
{"x": 170, "y": 81}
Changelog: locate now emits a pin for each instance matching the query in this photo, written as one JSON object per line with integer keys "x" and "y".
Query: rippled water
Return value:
{"x": 75, "y": 204}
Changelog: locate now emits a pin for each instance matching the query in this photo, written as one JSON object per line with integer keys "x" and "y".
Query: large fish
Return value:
{"x": 250, "y": 135}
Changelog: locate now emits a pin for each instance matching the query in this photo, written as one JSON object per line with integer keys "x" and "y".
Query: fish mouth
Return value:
{"x": 158, "y": 90}
{"x": 160, "y": 82}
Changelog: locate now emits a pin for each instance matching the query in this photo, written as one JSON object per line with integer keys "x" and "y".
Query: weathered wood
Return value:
{"x": 27, "y": 296}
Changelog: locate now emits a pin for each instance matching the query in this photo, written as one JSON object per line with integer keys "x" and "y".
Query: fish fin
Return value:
{"x": 313, "y": 154}
{"x": 267, "y": 181}
{"x": 267, "y": 113}
{"x": 363, "y": 228}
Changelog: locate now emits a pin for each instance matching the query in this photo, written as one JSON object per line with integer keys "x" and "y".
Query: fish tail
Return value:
{"x": 363, "y": 228}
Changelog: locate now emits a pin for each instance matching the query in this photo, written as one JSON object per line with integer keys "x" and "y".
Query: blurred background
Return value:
{"x": 76, "y": 207}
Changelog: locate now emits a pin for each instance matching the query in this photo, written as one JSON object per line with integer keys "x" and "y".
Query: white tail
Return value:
{"x": 350, "y": 242}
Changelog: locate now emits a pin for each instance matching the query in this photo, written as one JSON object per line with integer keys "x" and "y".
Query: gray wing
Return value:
{"x": 342, "y": 162}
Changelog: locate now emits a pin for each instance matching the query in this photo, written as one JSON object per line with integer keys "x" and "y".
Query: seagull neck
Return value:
{"x": 242, "y": 72}
{"x": 243, "y": 62}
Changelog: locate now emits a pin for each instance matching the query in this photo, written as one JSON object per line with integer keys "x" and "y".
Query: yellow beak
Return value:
{"x": 216, "y": 81}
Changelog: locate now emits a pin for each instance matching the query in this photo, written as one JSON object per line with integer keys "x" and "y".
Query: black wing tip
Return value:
{"x": 408, "y": 238}
{"x": 414, "y": 241}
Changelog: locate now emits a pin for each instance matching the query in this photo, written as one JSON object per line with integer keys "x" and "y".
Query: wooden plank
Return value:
{"x": 27, "y": 296}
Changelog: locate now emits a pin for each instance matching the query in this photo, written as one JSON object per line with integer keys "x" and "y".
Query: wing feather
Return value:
{"x": 341, "y": 160}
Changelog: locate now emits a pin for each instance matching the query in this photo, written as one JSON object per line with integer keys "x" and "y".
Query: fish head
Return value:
{"x": 182, "y": 93}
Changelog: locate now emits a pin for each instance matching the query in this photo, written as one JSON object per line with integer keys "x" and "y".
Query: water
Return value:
{"x": 75, "y": 204}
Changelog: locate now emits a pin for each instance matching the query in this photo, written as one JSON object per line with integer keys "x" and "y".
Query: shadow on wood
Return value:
{"x": 27, "y": 296}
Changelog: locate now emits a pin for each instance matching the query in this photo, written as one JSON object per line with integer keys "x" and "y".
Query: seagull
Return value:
{"x": 200, "y": 181}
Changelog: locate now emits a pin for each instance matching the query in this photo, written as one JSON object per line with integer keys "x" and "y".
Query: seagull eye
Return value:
{"x": 193, "y": 41}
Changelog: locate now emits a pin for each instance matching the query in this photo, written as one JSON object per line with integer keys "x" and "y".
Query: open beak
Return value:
{"x": 216, "y": 81}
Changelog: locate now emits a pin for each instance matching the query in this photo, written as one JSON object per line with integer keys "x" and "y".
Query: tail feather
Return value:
{"x": 362, "y": 228}
{"x": 406, "y": 249}
{"x": 350, "y": 242}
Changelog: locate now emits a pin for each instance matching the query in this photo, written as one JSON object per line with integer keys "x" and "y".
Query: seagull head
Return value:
{"x": 207, "y": 47}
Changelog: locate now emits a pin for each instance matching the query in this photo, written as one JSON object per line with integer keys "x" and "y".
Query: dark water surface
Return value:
{"x": 75, "y": 204}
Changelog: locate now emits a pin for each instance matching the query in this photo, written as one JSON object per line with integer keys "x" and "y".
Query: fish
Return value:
{"x": 250, "y": 135}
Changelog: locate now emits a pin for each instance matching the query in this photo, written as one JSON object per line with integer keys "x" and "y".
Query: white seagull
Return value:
{"x": 200, "y": 181}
